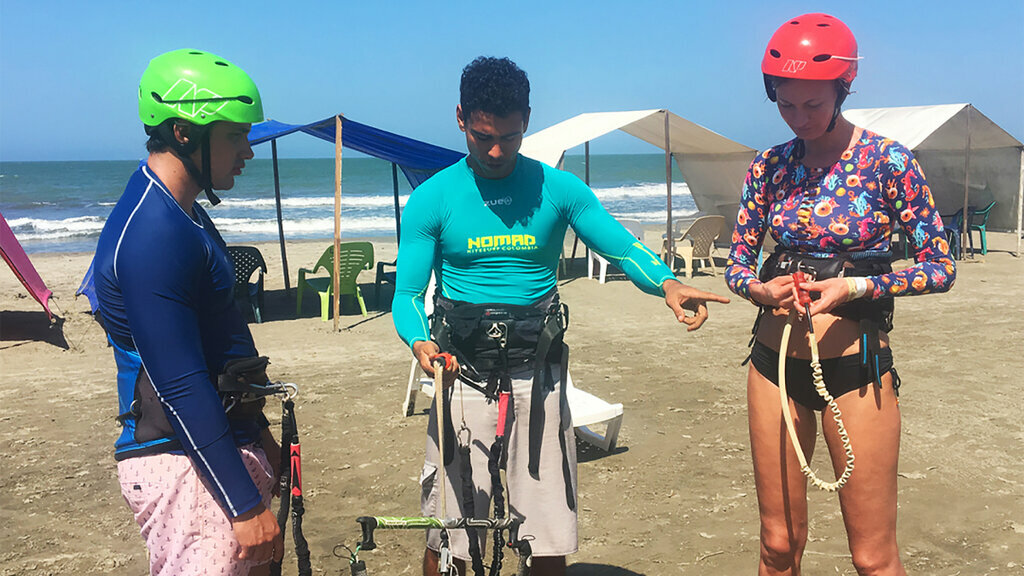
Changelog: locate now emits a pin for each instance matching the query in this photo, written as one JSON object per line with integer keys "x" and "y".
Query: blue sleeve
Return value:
{"x": 608, "y": 238}
{"x": 161, "y": 305}
{"x": 416, "y": 253}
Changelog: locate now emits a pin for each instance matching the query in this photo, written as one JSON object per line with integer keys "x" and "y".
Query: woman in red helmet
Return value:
{"x": 830, "y": 198}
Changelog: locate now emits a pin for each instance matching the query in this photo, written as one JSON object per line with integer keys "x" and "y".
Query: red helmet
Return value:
{"x": 812, "y": 47}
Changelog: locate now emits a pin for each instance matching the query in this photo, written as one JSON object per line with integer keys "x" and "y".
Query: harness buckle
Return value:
{"x": 498, "y": 331}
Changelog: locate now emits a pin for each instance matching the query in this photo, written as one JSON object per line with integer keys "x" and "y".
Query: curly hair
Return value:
{"x": 494, "y": 85}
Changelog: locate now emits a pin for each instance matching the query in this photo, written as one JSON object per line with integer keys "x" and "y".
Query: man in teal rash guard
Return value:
{"x": 491, "y": 228}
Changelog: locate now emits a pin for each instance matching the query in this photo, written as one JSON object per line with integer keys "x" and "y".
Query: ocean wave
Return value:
{"x": 309, "y": 202}
{"x": 641, "y": 191}
{"x": 41, "y": 229}
{"x": 303, "y": 225}
{"x": 652, "y": 216}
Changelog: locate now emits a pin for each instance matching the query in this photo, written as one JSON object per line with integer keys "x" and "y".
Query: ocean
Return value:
{"x": 61, "y": 206}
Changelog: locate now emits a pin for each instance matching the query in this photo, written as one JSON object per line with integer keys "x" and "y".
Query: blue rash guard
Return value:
{"x": 165, "y": 288}
{"x": 500, "y": 240}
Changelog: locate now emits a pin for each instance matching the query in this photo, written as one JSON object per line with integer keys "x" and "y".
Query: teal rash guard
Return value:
{"x": 500, "y": 240}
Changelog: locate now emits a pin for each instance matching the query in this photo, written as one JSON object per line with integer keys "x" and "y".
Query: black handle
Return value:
{"x": 369, "y": 524}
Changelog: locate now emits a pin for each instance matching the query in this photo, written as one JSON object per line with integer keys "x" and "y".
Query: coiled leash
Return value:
{"x": 804, "y": 298}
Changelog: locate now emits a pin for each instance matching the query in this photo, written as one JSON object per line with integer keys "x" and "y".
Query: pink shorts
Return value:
{"x": 186, "y": 530}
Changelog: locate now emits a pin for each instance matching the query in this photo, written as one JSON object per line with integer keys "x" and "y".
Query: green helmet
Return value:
{"x": 198, "y": 87}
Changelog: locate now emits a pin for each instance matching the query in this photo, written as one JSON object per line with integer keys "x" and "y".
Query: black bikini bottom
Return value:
{"x": 842, "y": 375}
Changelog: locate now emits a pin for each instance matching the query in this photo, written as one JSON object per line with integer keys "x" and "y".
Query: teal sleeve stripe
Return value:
{"x": 645, "y": 269}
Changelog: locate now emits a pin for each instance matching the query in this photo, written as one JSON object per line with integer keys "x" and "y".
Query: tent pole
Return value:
{"x": 669, "y": 240}
{"x": 586, "y": 162}
{"x": 398, "y": 211}
{"x": 964, "y": 228}
{"x": 280, "y": 222}
{"x": 1020, "y": 201}
{"x": 337, "y": 218}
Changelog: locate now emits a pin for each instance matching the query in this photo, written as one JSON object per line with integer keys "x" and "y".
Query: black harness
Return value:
{"x": 491, "y": 341}
{"x": 873, "y": 315}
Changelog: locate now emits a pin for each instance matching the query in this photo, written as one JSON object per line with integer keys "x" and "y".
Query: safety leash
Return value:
{"x": 291, "y": 489}
{"x": 804, "y": 298}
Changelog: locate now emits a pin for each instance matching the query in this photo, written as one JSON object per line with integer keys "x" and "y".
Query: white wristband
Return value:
{"x": 861, "y": 287}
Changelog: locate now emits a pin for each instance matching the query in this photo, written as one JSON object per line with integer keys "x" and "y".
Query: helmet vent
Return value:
{"x": 822, "y": 57}
{"x": 775, "y": 53}
{"x": 824, "y": 25}
{"x": 197, "y": 53}
{"x": 244, "y": 99}
{"x": 219, "y": 63}
{"x": 794, "y": 22}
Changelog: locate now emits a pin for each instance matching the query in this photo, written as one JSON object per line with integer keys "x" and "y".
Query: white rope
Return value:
{"x": 819, "y": 385}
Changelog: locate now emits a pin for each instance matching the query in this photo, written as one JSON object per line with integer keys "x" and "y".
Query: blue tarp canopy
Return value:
{"x": 417, "y": 160}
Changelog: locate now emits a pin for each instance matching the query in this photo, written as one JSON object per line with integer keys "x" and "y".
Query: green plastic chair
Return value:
{"x": 973, "y": 225}
{"x": 354, "y": 257}
{"x": 952, "y": 232}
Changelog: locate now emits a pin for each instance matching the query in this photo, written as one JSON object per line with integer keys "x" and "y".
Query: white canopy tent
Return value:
{"x": 714, "y": 166}
{"x": 967, "y": 158}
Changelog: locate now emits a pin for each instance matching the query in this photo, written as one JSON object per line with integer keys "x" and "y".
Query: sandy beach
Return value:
{"x": 676, "y": 497}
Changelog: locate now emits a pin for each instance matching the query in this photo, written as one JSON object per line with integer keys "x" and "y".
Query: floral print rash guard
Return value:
{"x": 852, "y": 206}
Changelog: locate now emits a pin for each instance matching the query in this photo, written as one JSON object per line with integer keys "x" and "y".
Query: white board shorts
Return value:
{"x": 541, "y": 503}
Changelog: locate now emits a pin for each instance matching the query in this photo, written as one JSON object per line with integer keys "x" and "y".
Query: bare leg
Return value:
{"x": 781, "y": 487}
{"x": 868, "y": 501}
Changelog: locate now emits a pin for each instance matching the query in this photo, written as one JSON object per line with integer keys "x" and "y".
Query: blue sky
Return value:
{"x": 69, "y": 70}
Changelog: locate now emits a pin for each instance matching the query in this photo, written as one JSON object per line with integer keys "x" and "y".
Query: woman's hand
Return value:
{"x": 777, "y": 292}
{"x": 833, "y": 292}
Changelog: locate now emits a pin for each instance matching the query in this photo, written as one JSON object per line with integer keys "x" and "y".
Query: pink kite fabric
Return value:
{"x": 16, "y": 258}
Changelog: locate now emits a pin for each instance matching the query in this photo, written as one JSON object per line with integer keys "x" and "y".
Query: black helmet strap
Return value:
{"x": 199, "y": 139}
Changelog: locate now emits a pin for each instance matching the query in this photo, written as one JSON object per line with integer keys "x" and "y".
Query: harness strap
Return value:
{"x": 542, "y": 381}
{"x": 291, "y": 489}
{"x": 469, "y": 505}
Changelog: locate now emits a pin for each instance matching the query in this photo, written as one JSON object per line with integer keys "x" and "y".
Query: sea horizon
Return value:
{"x": 61, "y": 205}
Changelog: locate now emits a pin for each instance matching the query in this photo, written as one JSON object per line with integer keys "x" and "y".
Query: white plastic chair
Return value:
{"x": 694, "y": 244}
{"x": 588, "y": 410}
{"x": 634, "y": 227}
{"x": 418, "y": 380}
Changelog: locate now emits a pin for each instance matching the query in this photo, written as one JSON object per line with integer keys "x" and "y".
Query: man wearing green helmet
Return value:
{"x": 195, "y": 474}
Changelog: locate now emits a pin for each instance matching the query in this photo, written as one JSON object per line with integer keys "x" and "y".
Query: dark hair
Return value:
{"x": 156, "y": 141}
{"x": 161, "y": 136}
{"x": 494, "y": 85}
